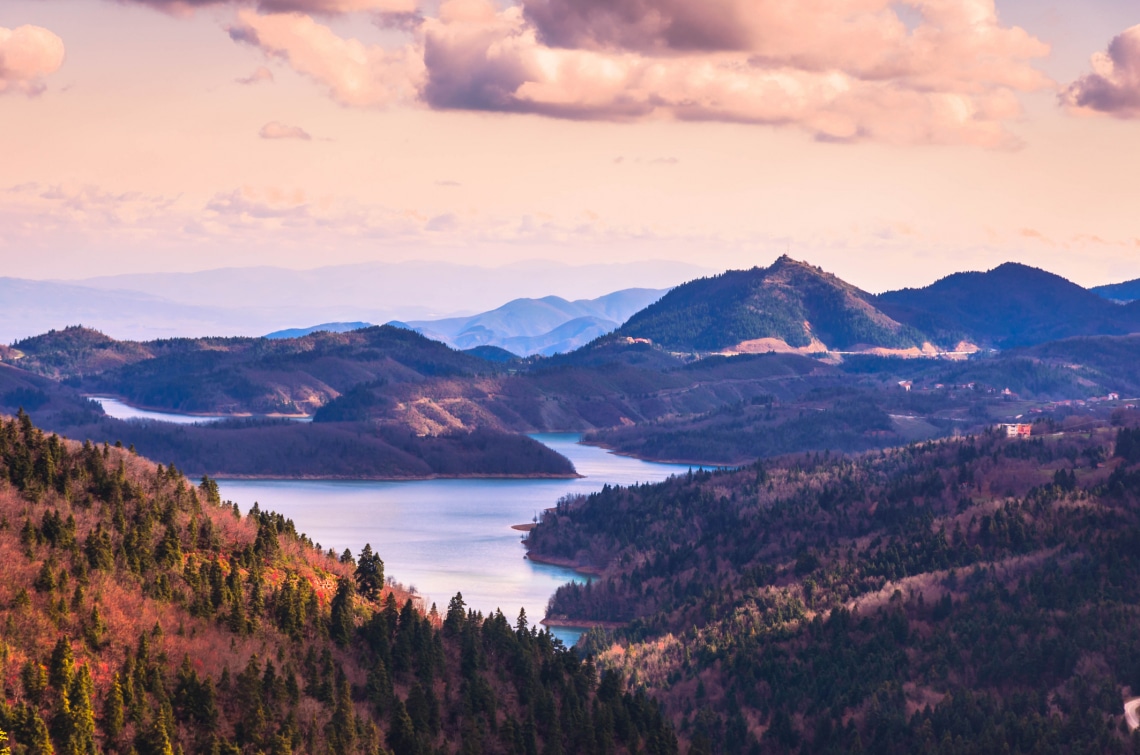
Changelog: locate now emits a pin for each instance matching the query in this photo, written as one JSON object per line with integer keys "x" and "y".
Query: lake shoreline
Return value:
{"x": 216, "y": 416}
{"x": 381, "y": 478}
{"x": 565, "y": 563}
{"x": 655, "y": 460}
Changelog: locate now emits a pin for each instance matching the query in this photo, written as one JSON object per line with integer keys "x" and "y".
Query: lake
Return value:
{"x": 117, "y": 409}
{"x": 448, "y": 536}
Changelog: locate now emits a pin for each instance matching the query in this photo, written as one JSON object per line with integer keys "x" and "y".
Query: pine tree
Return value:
{"x": 81, "y": 714}
{"x": 342, "y": 726}
{"x": 61, "y": 665}
{"x": 401, "y": 732}
{"x": 35, "y": 737}
{"x": 113, "y": 712}
{"x": 369, "y": 573}
{"x": 341, "y": 624}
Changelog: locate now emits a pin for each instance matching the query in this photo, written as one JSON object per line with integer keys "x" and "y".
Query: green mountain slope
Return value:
{"x": 974, "y": 595}
{"x": 1011, "y": 305}
{"x": 790, "y": 301}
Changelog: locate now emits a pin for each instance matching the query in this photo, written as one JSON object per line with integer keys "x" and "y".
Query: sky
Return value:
{"x": 888, "y": 142}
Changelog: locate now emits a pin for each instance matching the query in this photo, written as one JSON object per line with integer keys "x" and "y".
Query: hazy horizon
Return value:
{"x": 890, "y": 142}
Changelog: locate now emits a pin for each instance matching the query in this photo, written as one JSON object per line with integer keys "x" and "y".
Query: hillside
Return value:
{"x": 141, "y": 614}
{"x": 241, "y": 375}
{"x": 788, "y": 306}
{"x": 565, "y": 396}
{"x": 282, "y": 448}
{"x": 862, "y": 403}
{"x": 1011, "y": 305}
{"x": 1128, "y": 291}
{"x": 974, "y": 595}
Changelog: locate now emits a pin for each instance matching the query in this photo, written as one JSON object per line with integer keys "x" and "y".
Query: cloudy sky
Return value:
{"x": 890, "y": 142}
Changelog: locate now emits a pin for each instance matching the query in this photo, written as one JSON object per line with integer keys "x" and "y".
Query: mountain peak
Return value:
{"x": 790, "y": 304}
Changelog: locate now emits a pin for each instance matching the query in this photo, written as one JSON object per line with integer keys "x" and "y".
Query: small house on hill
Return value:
{"x": 1018, "y": 430}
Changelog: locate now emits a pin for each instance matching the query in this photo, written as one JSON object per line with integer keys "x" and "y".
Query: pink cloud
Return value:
{"x": 278, "y": 130}
{"x": 27, "y": 54}
{"x": 319, "y": 7}
{"x": 951, "y": 80}
{"x": 843, "y": 70}
{"x": 1113, "y": 87}
{"x": 355, "y": 74}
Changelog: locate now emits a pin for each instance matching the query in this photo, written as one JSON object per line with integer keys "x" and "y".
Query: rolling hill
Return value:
{"x": 1128, "y": 291}
{"x": 242, "y": 375}
{"x": 788, "y": 306}
{"x": 1011, "y": 305}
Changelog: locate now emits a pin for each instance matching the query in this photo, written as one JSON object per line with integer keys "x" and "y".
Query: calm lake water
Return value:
{"x": 448, "y": 536}
{"x": 117, "y": 409}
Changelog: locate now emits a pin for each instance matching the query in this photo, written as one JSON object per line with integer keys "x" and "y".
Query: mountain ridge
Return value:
{"x": 790, "y": 304}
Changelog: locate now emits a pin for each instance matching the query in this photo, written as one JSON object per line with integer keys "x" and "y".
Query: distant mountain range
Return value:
{"x": 327, "y": 327}
{"x": 253, "y": 301}
{"x": 551, "y": 325}
{"x": 794, "y": 306}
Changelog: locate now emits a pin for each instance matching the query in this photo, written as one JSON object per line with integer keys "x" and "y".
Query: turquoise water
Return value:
{"x": 448, "y": 536}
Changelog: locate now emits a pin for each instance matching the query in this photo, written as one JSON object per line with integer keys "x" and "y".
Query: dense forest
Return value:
{"x": 141, "y": 614}
{"x": 1012, "y": 305}
{"x": 971, "y": 595}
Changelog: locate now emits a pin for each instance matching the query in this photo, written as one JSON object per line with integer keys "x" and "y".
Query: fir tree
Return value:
{"x": 113, "y": 720}
{"x": 369, "y": 573}
{"x": 341, "y": 623}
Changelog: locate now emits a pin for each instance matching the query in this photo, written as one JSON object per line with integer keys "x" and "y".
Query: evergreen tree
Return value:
{"x": 401, "y": 732}
{"x": 61, "y": 665}
{"x": 342, "y": 725}
{"x": 80, "y": 714}
{"x": 369, "y": 573}
{"x": 113, "y": 712}
{"x": 341, "y": 623}
{"x": 34, "y": 734}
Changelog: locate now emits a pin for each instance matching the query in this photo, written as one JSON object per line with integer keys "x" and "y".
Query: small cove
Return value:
{"x": 440, "y": 536}
{"x": 448, "y": 536}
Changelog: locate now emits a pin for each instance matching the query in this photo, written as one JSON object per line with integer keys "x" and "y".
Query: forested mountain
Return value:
{"x": 141, "y": 614}
{"x": 283, "y": 448}
{"x": 242, "y": 375}
{"x": 790, "y": 304}
{"x": 973, "y": 595}
{"x": 1011, "y": 305}
{"x": 1128, "y": 291}
{"x": 657, "y": 388}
